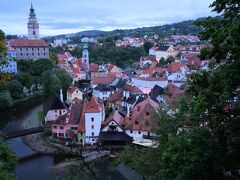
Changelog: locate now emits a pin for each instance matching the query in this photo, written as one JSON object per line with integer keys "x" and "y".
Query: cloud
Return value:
{"x": 57, "y": 17}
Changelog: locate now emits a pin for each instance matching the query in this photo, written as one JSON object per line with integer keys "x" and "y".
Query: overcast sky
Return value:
{"x": 69, "y": 16}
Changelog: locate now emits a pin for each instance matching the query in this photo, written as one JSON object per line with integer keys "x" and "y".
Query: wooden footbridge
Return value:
{"x": 24, "y": 132}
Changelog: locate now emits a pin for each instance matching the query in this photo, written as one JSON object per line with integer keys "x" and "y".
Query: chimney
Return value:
{"x": 67, "y": 118}
{"x": 61, "y": 95}
{"x": 128, "y": 111}
{"x": 127, "y": 94}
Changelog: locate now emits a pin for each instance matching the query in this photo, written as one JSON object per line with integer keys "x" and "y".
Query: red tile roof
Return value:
{"x": 93, "y": 67}
{"x": 152, "y": 70}
{"x": 116, "y": 117}
{"x": 151, "y": 78}
{"x": 175, "y": 67}
{"x": 142, "y": 115}
{"x": 116, "y": 96}
{"x": 174, "y": 93}
{"x": 92, "y": 105}
{"x": 131, "y": 88}
{"x": 28, "y": 43}
{"x": 103, "y": 80}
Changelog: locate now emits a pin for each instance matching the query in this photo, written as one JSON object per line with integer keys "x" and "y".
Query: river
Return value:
{"x": 33, "y": 165}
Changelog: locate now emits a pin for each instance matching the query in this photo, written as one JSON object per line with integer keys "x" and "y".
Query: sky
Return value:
{"x": 70, "y": 16}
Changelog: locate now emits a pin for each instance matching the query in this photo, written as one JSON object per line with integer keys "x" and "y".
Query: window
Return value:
{"x": 34, "y": 33}
{"x": 21, "y": 54}
{"x": 92, "y": 133}
{"x": 92, "y": 119}
{"x": 148, "y": 133}
{"x": 147, "y": 113}
{"x": 33, "y": 54}
{"x": 55, "y": 111}
{"x": 32, "y": 49}
{"x": 44, "y": 50}
{"x": 27, "y": 54}
{"x": 139, "y": 132}
{"x": 74, "y": 128}
{"x": 44, "y": 54}
{"x": 20, "y": 49}
{"x": 38, "y": 54}
{"x": 61, "y": 127}
{"x": 55, "y": 127}
{"x": 131, "y": 132}
{"x": 93, "y": 139}
{"x": 27, "y": 49}
{"x": 61, "y": 134}
{"x": 92, "y": 126}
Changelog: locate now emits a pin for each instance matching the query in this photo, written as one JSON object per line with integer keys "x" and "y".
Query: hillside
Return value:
{"x": 184, "y": 28}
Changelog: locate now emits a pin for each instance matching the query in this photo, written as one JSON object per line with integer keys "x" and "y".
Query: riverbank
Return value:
{"x": 36, "y": 141}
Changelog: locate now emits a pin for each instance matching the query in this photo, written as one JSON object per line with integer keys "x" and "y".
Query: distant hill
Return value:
{"x": 184, "y": 28}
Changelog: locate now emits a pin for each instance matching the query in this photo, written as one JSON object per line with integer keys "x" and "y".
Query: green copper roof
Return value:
{"x": 85, "y": 46}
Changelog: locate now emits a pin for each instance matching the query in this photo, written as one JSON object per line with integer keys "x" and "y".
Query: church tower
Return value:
{"x": 33, "y": 26}
{"x": 85, "y": 55}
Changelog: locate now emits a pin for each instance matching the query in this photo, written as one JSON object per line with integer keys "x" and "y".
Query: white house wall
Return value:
{"x": 91, "y": 139}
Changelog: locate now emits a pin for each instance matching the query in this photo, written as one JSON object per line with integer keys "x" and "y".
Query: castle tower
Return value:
{"x": 33, "y": 26}
{"x": 85, "y": 55}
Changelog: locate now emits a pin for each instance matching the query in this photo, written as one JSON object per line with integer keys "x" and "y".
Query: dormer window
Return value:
{"x": 138, "y": 108}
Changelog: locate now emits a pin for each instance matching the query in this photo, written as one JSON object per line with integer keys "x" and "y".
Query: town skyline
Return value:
{"x": 76, "y": 16}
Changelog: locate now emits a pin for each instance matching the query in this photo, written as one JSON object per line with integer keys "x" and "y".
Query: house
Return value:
{"x": 141, "y": 119}
{"x": 53, "y": 108}
{"x": 130, "y": 100}
{"x": 177, "y": 76}
{"x": 103, "y": 91}
{"x": 163, "y": 52}
{"x": 83, "y": 120}
{"x": 145, "y": 84}
{"x": 9, "y": 67}
{"x": 104, "y": 80}
{"x": 96, "y": 71}
{"x": 115, "y": 100}
{"x": 112, "y": 68}
{"x": 113, "y": 132}
{"x": 177, "y": 67}
{"x": 153, "y": 72}
{"x": 27, "y": 49}
{"x": 132, "y": 89}
{"x": 157, "y": 94}
{"x": 174, "y": 94}
{"x": 73, "y": 92}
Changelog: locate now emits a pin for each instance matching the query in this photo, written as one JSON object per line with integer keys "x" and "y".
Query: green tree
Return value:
{"x": 25, "y": 79}
{"x": 147, "y": 45}
{"x": 15, "y": 88}
{"x": 55, "y": 79}
{"x": 8, "y": 161}
{"x": 169, "y": 60}
{"x": 77, "y": 52}
{"x": 3, "y": 48}
{"x": 51, "y": 83}
{"x": 187, "y": 155}
{"x": 205, "y": 53}
{"x": 3, "y": 51}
